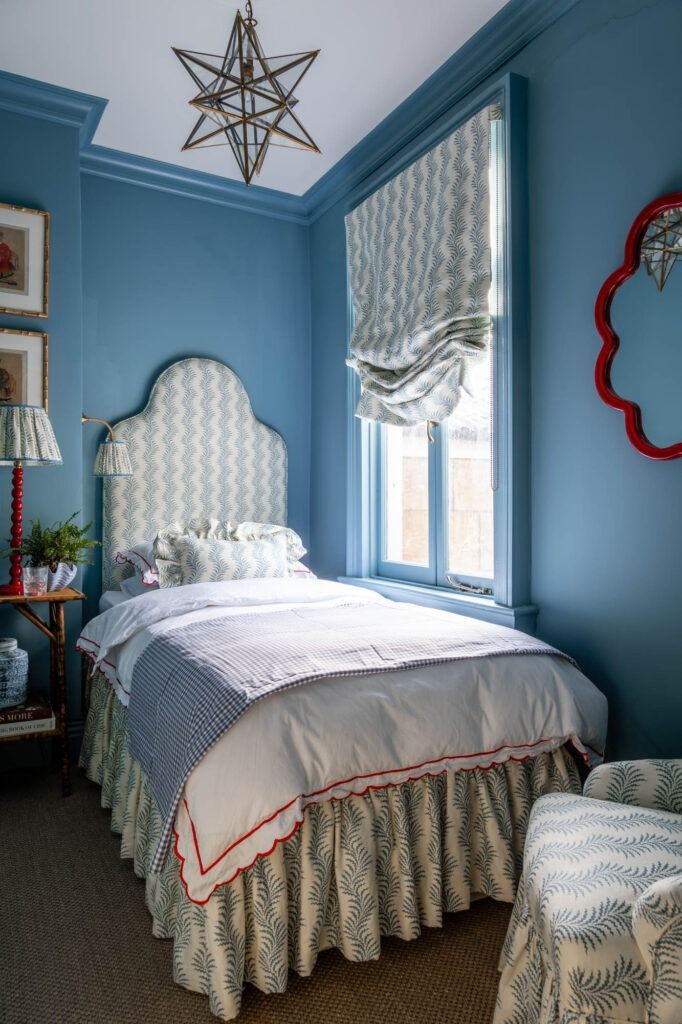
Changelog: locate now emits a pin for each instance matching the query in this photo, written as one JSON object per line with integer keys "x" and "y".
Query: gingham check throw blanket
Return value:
{"x": 192, "y": 684}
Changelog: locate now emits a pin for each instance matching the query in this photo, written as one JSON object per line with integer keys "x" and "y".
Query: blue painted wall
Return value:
{"x": 166, "y": 277}
{"x": 39, "y": 168}
{"x": 604, "y": 97}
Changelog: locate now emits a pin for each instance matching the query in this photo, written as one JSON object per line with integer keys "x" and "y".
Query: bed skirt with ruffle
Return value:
{"x": 389, "y": 862}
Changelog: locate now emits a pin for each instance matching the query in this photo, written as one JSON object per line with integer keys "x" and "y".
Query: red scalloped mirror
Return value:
{"x": 654, "y": 240}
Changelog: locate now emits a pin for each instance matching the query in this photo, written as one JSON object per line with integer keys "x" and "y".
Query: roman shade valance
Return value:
{"x": 419, "y": 264}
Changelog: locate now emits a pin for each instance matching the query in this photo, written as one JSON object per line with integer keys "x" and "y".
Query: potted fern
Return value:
{"x": 59, "y": 549}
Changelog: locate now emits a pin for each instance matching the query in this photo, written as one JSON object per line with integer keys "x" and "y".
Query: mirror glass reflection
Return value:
{"x": 647, "y": 368}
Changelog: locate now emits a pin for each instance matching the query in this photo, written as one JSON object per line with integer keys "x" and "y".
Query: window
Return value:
{"x": 445, "y": 505}
{"x": 435, "y": 494}
{"x": 435, "y": 500}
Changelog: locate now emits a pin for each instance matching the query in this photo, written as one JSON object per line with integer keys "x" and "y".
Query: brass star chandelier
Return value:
{"x": 245, "y": 99}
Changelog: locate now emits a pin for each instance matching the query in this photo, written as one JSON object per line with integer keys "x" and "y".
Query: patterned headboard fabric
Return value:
{"x": 197, "y": 450}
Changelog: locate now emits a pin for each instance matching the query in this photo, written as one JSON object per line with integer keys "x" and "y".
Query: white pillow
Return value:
{"x": 211, "y": 560}
{"x": 141, "y": 557}
{"x": 302, "y": 571}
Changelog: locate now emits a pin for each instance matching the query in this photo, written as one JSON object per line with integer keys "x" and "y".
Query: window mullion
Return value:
{"x": 439, "y": 505}
{"x": 501, "y": 399}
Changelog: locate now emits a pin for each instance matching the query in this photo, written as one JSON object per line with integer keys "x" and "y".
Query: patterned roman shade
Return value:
{"x": 419, "y": 262}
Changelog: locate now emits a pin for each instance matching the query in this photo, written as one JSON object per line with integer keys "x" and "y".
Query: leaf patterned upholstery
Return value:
{"x": 653, "y": 783}
{"x": 197, "y": 451}
{"x": 596, "y": 933}
{"x": 657, "y": 927}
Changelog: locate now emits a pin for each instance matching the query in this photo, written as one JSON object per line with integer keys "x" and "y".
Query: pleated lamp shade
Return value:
{"x": 26, "y": 439}
{"x": 26, "y": 436}
{"x": 113, "y": 459}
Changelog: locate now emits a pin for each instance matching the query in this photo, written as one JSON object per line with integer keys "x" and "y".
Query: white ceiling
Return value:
{"x": 374, "y": 54}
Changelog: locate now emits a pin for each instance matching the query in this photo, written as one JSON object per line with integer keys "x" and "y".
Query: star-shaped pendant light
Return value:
{"x": 246, "y": 99}
{"x": 662, "y": 245}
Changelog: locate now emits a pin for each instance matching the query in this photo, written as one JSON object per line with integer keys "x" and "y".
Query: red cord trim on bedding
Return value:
{"x": 368, "y": 788}
{"x": 93, "y": 659}
{"x": 122, "y": 560}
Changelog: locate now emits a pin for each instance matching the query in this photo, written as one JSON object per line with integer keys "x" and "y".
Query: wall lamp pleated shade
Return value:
{"x": 26, "y": 436}
{"x": 113, "y": 459}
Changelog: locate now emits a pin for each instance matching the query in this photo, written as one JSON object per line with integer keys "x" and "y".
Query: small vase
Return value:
{"x": 13, "y": 673}
{"x": 35, "y": 580}
{"x": 61, "y": 577}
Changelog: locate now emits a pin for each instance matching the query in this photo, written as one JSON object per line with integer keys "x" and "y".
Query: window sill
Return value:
{"x": 522, "y": 617}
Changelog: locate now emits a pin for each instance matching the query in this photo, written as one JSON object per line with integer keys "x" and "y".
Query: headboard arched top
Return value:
{"x": 197, "y": 450}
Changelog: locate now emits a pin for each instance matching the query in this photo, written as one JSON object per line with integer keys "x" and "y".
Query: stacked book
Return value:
{"x": 33, "y": 717}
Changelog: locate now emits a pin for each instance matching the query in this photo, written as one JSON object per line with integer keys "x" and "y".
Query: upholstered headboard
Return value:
{"x": 197, "y": 450}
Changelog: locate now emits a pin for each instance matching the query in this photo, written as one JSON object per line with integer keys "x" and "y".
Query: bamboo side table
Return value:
{"x": 54, "y": 631}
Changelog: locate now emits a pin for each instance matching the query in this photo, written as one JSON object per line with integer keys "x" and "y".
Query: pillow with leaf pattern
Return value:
{"x": 169, "y": 540}
{"x": 211, "y": 560}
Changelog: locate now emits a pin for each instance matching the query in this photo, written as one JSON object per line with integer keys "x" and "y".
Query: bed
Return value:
{"x": 382, "y": 776}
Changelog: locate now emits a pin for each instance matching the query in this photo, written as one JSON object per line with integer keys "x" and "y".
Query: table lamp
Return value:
{"x": 26, "y": 439}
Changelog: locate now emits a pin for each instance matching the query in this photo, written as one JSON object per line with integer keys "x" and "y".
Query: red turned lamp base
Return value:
{"x": 12, "y": 590}
{"x": 15, "y": 587}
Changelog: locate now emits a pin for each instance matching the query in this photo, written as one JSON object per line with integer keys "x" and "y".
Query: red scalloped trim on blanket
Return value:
{"x": 121, "y": 559}
{"x": 93, "y": 659}
{"x": 368, "y": 788}
{"x": 259, "y": 856}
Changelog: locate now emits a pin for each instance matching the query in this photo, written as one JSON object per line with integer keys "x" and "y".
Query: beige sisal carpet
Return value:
{"x": 76, "y": 944}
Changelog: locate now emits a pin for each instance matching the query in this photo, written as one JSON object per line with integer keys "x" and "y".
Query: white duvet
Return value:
{"x": 335, "y": 737}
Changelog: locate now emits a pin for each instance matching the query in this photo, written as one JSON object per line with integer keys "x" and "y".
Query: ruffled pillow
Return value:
{"x": 166, "y": 553}
{"x": 266, "y": 531}
{"x": 170, "y": 540}
{"x": 141, "y": 558}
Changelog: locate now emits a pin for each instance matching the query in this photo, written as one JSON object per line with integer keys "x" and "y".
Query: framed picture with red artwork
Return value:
{"x": 24, "y": 256}
{"x": 23, "y": 368}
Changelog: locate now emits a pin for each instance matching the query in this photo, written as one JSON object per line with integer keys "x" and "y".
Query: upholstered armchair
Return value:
{"x": 596, "y": 931}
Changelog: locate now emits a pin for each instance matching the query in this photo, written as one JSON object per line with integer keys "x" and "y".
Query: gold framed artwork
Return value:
{"x": 24, "y": 258}
{"x": 23, "y": 367}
